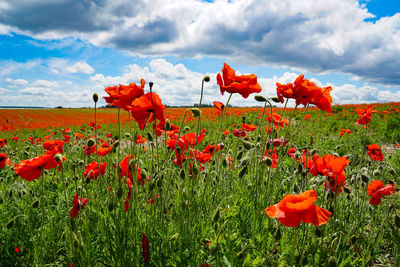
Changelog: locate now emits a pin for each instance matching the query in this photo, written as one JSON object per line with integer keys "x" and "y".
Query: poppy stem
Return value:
{"x": 222, "y": 117}
{"x": 199, "y": 122}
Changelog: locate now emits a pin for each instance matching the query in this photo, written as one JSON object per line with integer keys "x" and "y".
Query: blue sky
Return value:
{"x": 60, "y": 52}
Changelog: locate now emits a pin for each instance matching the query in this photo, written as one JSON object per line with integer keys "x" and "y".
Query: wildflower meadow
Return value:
{"x": 296, "y": 182}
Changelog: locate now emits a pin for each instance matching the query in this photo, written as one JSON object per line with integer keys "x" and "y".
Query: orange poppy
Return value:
{"x": 376, "y": 191}
{"x": 231, "y": 83}
{"x": 332, "y": 167}
{"x": 294, "y": 209}
{"x": 375, "y": 152}
{"x": 54, "y": 144}
{"x": 365, "y": 114}
{"x": 121, "y": 96}
{"x": 219, "y": 105}
{"x": 306, "y": 92}
{"x": 145, "y": 108}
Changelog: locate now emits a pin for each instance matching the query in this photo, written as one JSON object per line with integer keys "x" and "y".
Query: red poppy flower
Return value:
{"x": 219, "y": 105}
{"x": 128, "y": 197}
{"x": 344, "y": 131}
{"x": 121, "y": 96}
{"x": 239, "y": 132}
{"x": 307, "y": 116}
{"x": 273, "y": 156}
{"x": 77, "y": 205}
{"x": 140, "y": 139}
{"x": 186, "y": 140}
{"x": 54, "y": 144}
{"x": 160, "y": 129}
{"x": 231, "y": 83}
{"x": 375, "y": 152}
{"x": 145, "y": 108}
{"x": 3, "y": 142}
{"x": 31, "y": 169}
{"x": 306, "y": 92}
{"x": 376, "y": 191}
{"x": 365, "y": 114}
{"x": 94, "y": 169}
{"x": 249, "y": 127}
{"x": 126, "y": 170}
{"x": 18, "y": 249}
{"x": 294, "y": 209}
{"x": 78, "y": 135}
{"x": 332, "y": 167}
{"x": 4, "y": 160}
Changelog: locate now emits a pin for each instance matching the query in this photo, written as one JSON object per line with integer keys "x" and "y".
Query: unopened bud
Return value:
{"x": 150, "y": 136}
{"x": 268, "y": 161}
{"x": 10, "y": 224}
{"x": 247, "y": 145}
{"x": 196, "y": 112}
{"x": 275, "y": 99}
{"x": 167, "y": 125}
{"x": 186, "y": 129}
{"x": 376, "y": 173}
{"x": 260, "y": 98}
{"x": 151, "y": 84}
{"x": 91, "y": 142}
{"x": 58, "y": 157}
{"x": 397, "y": 220}
{"x": 95, "y": 97}
{"x": 127, "y": 135}
{"x": 206, "y": 78}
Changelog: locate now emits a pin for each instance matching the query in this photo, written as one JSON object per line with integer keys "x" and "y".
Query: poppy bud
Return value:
{"x": 275, "y": 99}
{"x": 332, "y": 262}
{"x": 87, "y": 180}
{"x": 376, "y": 173}
{"x": 196, "y": 112}
{"x": 182, "y": 174}
{"x": 35, "y": 204}
{"x": 159, "y": 183}
{"x": 364, "y": 178}
{"x": 167, "y": 125}
{"x": 115, "y": 145}
{"x": 242, "y": 172}
{"x": 297, "y": 155}
{"x": 127, "y": 135}
{"x": 223, "y": 136}
{"x": 216, "y": 216}
{"x": 260, "y": 98}
{"x": 119, "y": 192}
{"x": 224, "y": 162}
{"x": 151, "y": 84}
{"x": 150, "y": 136}
{"x": 195, "y": 170}
{"x": 397, "y": 220}
{"x": 95, "y": 97}
{"x": 10, "y": 224}
{"x": 206, "y": 78}
{"x": 392, "y": 172}
{"x": 91, "y": 142}
{"x": 268, "y": 161}
{"x": 58, "y": 157}
{"x": 313, "y": 152}
{"x": 186, "y": 129}
{"x": 278, "y": 234}
{"x": 347, "y": 190}
{"x": 318, "y": 232}
{"x": 247, "y": 145}
{"x": 239, "y": 155}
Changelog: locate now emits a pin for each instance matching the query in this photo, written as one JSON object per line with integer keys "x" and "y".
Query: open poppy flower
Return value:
{"x": 77, "y": 205}
{"x": 4, "y": 160}
{"x": 344, "y": 131}
{"x": 376, "y": 191}
{"x": 3, "y": 142}
{"x": 294, "y": 209}
{"x": 54, "y": 144}
{"x": 306, "y": 92}
{"x": 332, "y": 167}
{"x": 145, "y": 108}
{"x": 94, "y": 169}
{"x": 365, "y": 114}
{"x": 375, "y": 152}
{"x": 31, "y": 169}
{"x": 126, "y": 170}
{"x": 219, "y": 105}
{"x": 231, "y": 83}
{"x": 121, "y": 96}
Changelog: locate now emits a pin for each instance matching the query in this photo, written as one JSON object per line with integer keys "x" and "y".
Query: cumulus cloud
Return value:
{"x": 80, "y": 67}
{"x": 317, "y": 36}
{"x": 17, "y": 82}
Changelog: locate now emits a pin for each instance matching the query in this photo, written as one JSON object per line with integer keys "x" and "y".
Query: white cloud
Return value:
{"x": 16, "y": 82}
{"x": 80, "y": 67}
{"x": 45, "y": 84}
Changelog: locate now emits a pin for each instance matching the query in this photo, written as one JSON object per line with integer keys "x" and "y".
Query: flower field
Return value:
{"x": 141, "y": 184}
